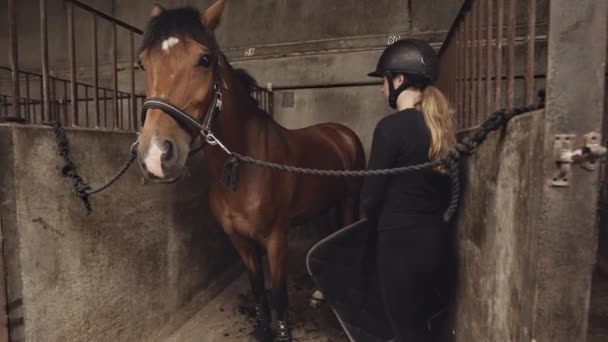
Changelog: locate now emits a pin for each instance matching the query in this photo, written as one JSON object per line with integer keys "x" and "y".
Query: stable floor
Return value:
{"x": 229, "y": 316}
{"x": 598, "y": 314}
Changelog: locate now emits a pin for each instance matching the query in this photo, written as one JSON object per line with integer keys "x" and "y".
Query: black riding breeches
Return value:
{"x": 408, "y": 261}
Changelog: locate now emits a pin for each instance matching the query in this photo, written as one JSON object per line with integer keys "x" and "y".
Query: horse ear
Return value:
{"x": 157, "y": 10}
{"x": 211, "y": 16}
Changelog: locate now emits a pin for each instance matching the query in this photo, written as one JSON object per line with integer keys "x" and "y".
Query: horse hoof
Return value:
{"x": 317, "y": 299}
{"x": 283, "y": 333}
{"x": 263, "y": 334}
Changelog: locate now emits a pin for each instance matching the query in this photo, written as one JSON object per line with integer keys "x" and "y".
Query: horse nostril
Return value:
{"x": 169, "y": 152}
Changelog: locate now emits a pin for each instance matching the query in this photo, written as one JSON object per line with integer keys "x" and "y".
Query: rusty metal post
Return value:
{"x": 44, "y": 47}
{"x": 459, "y": 75}
{"x": 105, "y": 108}
{"x": 121, "y": 101}
{"x": 72, "y": 53}
{"x": 567, "y": 218}
{"x": 474, "y": 61}
{"x": 14, "y": 57}
{"x": 467, "y": 71}
{"x": 480, "y": 63}
{"x": 489, "y": 48}
{"x": 53, "y": 99}
{"x": 28, "y": 100}
{"x": 450, "y": 66}
{"x": 5, "y": 104}
{"x": 64, "y": 103}
{"x": 115, "y": 77}
{"x": 133, "y": 107}
{"x": 500, "y": 7}
{"x": 95, "y": 74}
{"x": 86, "y": 106}
{"x": 530, "y": 54}
{"x": 41, "y": 98}
{"x": 511, "y": 53}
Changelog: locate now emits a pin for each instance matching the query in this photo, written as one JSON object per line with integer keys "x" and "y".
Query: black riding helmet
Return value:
{"x": 414, "y": 58}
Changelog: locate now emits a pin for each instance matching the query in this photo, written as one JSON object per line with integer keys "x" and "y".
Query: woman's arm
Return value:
{"x": 383, "y": 155}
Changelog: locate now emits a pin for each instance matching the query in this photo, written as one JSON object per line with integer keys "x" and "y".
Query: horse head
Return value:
{"x": 182, "y": 64}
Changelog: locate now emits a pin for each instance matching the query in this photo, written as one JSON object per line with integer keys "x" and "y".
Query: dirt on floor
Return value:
{"x": 229, "y": 317}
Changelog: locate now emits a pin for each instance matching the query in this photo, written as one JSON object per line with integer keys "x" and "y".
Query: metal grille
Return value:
{"x": 489, "y": 58}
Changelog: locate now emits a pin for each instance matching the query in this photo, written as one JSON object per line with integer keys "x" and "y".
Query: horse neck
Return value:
{"x": 237, "y": 124}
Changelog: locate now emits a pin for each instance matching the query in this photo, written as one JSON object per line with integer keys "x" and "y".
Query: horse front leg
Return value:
{"x": 277, "y": 259}
{"x": 251, "y": 255}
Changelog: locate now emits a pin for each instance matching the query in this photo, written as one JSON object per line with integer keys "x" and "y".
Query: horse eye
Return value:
{"x": 205, "y": 61}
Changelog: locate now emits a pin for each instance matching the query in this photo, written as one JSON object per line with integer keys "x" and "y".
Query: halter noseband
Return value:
{"x": 187, "y": 122}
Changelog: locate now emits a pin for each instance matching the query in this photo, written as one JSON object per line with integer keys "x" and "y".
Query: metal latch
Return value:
{"x": 587, "y": 156}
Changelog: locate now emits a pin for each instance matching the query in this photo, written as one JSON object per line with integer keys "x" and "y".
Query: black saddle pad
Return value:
{"x": 344, "y": 268}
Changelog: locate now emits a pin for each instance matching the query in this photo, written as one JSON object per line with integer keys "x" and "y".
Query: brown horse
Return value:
{"x": 186, "y": 70}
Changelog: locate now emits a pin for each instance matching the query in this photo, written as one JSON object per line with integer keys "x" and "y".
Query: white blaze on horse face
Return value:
{"x": 154, "y": 159}
{"x": 169, "y": 42}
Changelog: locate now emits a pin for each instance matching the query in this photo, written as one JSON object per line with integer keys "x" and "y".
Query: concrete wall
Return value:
{"x": 122, "y": 274}
{"x": 497, "y": 235}
{"x": 603, "y": 226}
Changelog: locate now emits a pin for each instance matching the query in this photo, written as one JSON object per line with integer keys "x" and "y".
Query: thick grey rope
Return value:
{"x": 466, "y": 147}
{"x": 79, "y": 187}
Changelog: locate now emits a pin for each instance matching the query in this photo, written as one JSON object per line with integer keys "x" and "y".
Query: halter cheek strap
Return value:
{"x": 187, "y": 122}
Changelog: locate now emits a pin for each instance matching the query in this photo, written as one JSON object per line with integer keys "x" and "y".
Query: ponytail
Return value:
{"x": 439, "y": 118}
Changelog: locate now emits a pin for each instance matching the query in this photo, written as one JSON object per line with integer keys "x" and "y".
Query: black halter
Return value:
{"x": 187, "y": 122}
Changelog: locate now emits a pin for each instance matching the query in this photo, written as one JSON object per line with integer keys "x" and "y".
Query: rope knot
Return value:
{"x": 231, "y": 172}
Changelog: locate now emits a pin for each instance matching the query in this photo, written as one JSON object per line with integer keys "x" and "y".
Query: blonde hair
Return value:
{"x": 439, "y": 118}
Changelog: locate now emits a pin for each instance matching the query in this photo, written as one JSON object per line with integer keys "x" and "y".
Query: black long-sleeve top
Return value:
{"x": 407, "y": 200}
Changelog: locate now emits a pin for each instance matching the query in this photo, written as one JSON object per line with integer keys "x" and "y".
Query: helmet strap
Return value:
{"x": 393, "y": 94}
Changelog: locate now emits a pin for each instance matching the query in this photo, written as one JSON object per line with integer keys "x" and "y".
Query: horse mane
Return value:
{"x": 249, "y": 83}
{"x": 181, "y": 22}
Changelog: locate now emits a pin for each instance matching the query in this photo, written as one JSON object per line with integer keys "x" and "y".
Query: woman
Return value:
{"x": 412, "y": 241}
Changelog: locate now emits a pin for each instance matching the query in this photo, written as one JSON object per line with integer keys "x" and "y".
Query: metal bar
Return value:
{"x": 480, "y": 63}
{"x": 86, "y": 106}
{"x": 133, "y": 108}
{"x": 5, "y": 105}
{"x": 530, "y": 54}
{"x": 28, "y": 108}
{"x": 499, "y": 37}
{"x": 105, "y": 16}
{"x": 115, "y": 76}
{"x": 72, "y": 53}
{"x": 41, "y": 99}
{"x": 122, "y": 114}
{"x": 489, "y": 48}
{"x": 65, "y": 103}
{"x": 53, "y": 97}
{"x": 449, "y": 70}
{"x": 474, "y": 61}
{"x": 458, "y": 96}
{"x": 575, "y": 105}
{"x": 14, "y": 60}
{"x": 95, "y": 74}
{"x": 105, "y": 109}
{"x": 44, "y": 47}
{"x": 467, "y": 72}
{"x": 511, "y": 53}
{"x": 454, "y": 67}
{"x": 267, "y": 99}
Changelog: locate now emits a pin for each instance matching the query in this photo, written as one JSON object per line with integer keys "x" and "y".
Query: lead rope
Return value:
{"x": 81, "y": 188}
{"x": 466, "y": 147}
